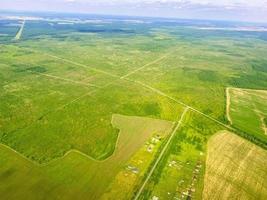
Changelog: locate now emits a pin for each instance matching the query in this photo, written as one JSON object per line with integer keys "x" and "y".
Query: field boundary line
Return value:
{"x": 251, "y": 90}
{"x": 161, "y": 154}
{"x": 72, "y": 62}
{"x": 81, "y": 97}
{"x": 51, "y": 161}
{"x": 20, "y": 154}
{"x": 228, "y": 103}
{"x": 144, "y": 66}
{"x": 65, "y": 79}
{"x": 74, "y": 100}
{"x": 260, "y": 115}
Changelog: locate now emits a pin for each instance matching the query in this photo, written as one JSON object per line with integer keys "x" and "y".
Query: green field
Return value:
{"x": 117, "y": 109}
{"x": 248, "y": 111}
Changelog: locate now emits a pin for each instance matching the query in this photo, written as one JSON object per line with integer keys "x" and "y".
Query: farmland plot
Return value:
{"x": 235, "y": 169}
{"x": 248, "y": 111}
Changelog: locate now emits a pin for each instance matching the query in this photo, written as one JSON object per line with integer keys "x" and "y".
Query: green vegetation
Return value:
{"x": 69, "y": 91}
{"x": 248, "y": 111}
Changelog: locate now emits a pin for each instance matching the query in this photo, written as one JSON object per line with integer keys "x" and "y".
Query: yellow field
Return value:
{"x": 235, "y": 169}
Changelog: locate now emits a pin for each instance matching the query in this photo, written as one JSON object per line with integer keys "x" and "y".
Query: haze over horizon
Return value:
{"x": 238, "y": 10}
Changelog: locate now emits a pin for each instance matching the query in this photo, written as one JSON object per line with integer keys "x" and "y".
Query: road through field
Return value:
{"x": 146, "y": 65}
{"x": 65, "y": 79}
{"x": 71, "y": 62}
{"x": 19, "y": 34}
{"x": 161, "y": 154}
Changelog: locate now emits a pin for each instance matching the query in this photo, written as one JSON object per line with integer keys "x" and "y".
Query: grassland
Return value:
{"x": 76, "y": 175}
{"x": 236, "y": 167}
{"x": 248, "y": 111}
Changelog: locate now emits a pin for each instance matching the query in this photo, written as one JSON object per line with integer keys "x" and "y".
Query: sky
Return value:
{"x": 238, "y": 10}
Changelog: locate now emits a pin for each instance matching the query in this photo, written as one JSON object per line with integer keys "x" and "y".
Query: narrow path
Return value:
{"x": 161, "y": 154}
{"x": 257, "y": 111}
{"x": 19, "y": 154}
{"x": 52, "y": 161}
{"x": 263, "y": 125}
{"x": 261, "y": 117}
{"x": 19, "y": 34}
{"x": 72, "y": 62}
{"x": 82, "y": 65}
{"x": 78, "y": 98}
{"x": 228, "y": 103}
{"x": 65, "y": 79}
{"x": 146, "y": 65}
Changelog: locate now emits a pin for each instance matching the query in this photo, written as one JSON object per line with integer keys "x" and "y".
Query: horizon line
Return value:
{"x": 131, "y": 16}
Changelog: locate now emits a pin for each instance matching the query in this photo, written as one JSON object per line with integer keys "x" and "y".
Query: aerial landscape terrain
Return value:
{"x": 107, "y": 107}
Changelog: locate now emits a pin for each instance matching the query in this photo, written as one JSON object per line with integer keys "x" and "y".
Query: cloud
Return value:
{"x": 220, "y": 9}
{"x": 254, "y": 3}
{"x": 176, "y": 4}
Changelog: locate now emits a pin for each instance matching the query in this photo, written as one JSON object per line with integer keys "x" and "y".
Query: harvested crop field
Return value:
{"x": 235, "y": 169}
